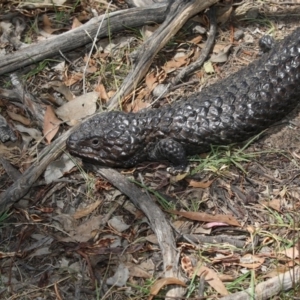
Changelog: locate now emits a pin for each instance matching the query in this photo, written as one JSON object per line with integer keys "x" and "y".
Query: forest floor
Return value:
{"x": 75, "y": 236}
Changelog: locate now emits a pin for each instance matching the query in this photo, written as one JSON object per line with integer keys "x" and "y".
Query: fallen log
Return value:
{"x": 78, "y": 37}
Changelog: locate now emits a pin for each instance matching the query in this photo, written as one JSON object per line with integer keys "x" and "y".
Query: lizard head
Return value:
{"x": 110, "y": 139}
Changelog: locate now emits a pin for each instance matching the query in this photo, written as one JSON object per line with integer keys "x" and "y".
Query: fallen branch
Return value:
{"x": 157, "y": 220}
{"x": 36, "y": 110}
{"x": 204, "y": 53}
{"x": 78, "y": 37}
{"x": 179, "y": 13}
{"x": 21, "y": 187}
{"x": 269, "y": 288}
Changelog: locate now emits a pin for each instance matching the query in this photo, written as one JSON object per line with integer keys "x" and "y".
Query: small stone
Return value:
{"x": 248, "y": 39}
{"x": 199, "y": 29}
{"x": 239, "y": 34}
{"x": 252, "y": 13}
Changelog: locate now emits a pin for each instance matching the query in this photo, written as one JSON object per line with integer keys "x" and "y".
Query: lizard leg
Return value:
{"x": 171, "y": 150}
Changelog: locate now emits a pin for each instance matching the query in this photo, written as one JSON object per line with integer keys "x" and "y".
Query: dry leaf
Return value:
{"x": 40, "y": 252}
{"x": 60, "y": 67}
{"x": 36, "y": 218}
{"x": 148, "y": 265}
{"x": 120, "y": 277}
{"x": 276, "y": 272}
{"x": 217, "y": 48}
{"x": 200, "y": 184}
{"x": 67, "y": 222}
{"x": 211, "y": 277}
{"x": 91, "y": 69}
{"x": 78, "y": 108}
{"x": 111, "y": 93}
{"x": 137, "y": 271}
{"x": 231, "y": 259}
{"x": 51, "y": 124}
{"x": 203, "y": 217}
{"x": 9, "y": 254}
{"x": 84, "y": 231}
{"x": 63, "y": 89}
{"x": 148, "y": 30}
{"x": 208, "y": 67}
{"x": 226, "y": 277}
{"x": 159, "y": 284}
{"x": 152, "y": 238}
{"x": 151, "y": 81}
{"x": 41, "y": 3}
{"x": 87, "y": 210}
{"x": 19, "y": 118}
{"x": 187, "y": 266}
{"x": 6, "y": 151}
{"x": 118, "y": 224}
{"x": 223, "y": 14}
{"x": 75, "y": 77}
{"x": 176, "y": 63}
{"x": 196, "y": 40}
{"x": 57, "y": 168}
{"x": 47, "y": 25}
{"x": 34, "y": 133}
{"x": 221, "y": 56}
{"x": 214, "y": 224}
{"x": 179, "y": 177}
{"x": 138, "y": 105}
{"x": 45, "y": 209}
{"x": 292, "y": 263}
{"x": 76, "y": 23}
{"x": 102, "y": 92}
{"x": 274, "y": 204}
{"x": 291, "y": 252}
{"x": 250, "y": 261}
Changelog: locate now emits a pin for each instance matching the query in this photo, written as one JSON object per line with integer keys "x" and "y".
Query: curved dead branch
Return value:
{"x": 179, "y": 13}
{"x": 75, "y": 38}
{"x": 157, "y": 220}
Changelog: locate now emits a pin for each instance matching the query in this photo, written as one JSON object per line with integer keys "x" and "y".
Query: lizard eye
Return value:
{"x": 95, "y": 142}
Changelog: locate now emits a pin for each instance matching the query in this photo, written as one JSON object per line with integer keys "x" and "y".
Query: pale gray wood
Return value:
{"x": 269, "y": 288}
{"x": 178, "y": 13}
{"x": 157, "y": 221}
{"x": 72, "y": 39}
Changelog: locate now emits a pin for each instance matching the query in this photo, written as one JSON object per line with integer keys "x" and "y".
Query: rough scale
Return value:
{"x": 229, "y": 111}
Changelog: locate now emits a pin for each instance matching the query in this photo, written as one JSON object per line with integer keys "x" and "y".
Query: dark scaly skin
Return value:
{"x": 229, "y": 111}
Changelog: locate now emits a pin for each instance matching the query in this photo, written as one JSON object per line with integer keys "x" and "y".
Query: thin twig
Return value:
{"x": 93, "y": 46}
{"x": 205, "y": 52}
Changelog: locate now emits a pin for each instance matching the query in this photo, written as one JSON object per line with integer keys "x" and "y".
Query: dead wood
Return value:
{"x": 270, "y": 288}
{"x": 179, "y": 13}
{"x": 6, "y": 133}
{"x": 11, "y": 171}
{"x": 21, "y": 186}
{"x": 113, "y": 22}
{"x": 156, "y": 217}
{"x": 188, "y": 70}
{"x": 9, "y": 95}
{"x": 51, "y": 152}
{"x": 36, "y": 110}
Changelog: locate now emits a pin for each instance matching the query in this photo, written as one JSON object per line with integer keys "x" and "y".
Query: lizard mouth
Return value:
{"x": 89, "y": 157}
